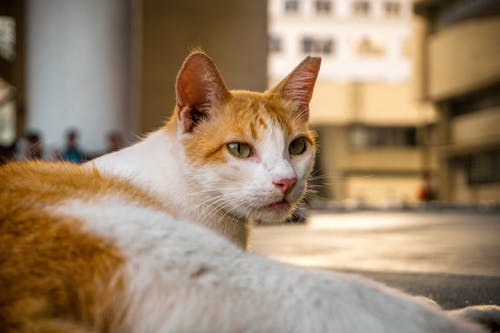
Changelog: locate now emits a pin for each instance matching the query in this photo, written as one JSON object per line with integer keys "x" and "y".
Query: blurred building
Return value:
{"x": 106, "y": 65}
{"x": 370, "y": 127}
{"x": 459, "y": 73}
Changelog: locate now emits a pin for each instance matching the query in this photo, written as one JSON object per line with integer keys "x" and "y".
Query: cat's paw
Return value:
{"x": 486, "y": 315}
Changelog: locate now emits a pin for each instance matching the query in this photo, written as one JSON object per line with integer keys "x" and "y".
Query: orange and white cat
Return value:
{"x": 226, "y": 158}
{"x": 121, "y": 244}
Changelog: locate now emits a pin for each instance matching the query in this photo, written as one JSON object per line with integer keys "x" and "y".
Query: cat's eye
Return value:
{"x": 297, "y": 146}
{"x": 239, "y": 149}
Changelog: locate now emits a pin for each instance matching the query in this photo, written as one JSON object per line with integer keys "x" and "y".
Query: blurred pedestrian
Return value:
{"x": 71, "y": 152}
{"x": 29, "y": 146}
{"x": 34, "y": 147}
{"x": 114, "y": 141}
{"x": 426, "y": 191}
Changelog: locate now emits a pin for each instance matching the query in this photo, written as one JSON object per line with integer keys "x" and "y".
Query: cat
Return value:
{"x": 226, "y": 158}
{"x": 152, "y": 238}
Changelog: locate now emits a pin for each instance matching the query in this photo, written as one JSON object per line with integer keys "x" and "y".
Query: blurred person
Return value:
{"x": 426, "y": 191}
{"x": 29, "y": 146}
{"x": 71, "y": 152}
{"x": 114, "y": 141}
{"x": 34, "y": 147}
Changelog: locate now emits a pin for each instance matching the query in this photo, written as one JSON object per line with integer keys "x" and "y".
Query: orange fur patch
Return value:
{"x": 243, "y": 118}
{"x": 53, "y": 276}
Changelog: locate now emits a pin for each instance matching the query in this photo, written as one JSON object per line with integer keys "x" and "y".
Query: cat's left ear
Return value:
{"x": 199, "y": 88}
{"x": 299, "y": 84}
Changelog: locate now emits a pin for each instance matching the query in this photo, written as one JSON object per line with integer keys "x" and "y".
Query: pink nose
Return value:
{"x": 285, "y": 185}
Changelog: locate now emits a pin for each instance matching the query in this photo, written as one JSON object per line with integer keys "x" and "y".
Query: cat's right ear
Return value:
{"x": 199, "y": 88}
{"x": 299, "y": 84}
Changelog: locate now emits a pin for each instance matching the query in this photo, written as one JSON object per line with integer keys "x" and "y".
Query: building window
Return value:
{"x": 328, "y": 46}
{"x": 7, "y": 37}
{"x": 291, "y": 6}
{"x": 361, "y": 8}
{"x": 362, "y": 136}
{"x": 319, "y": 46}
{"x": 392, "y": 8}
{"x": 323, "y": 6}
{"x": 369, "y": 47}
{"x": 482, "y": 168}
{"x": 275, "y": 44}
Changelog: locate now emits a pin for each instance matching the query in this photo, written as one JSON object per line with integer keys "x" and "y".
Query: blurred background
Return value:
{"x": 406, "y": 107}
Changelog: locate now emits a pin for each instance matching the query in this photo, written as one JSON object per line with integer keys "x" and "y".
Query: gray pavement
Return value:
{"x": 453, "y": 258}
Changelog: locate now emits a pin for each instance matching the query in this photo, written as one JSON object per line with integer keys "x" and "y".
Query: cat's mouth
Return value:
{"x": 278, "y": 205}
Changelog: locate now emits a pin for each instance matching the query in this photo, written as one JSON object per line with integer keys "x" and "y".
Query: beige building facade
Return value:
{"x": 375, "y": 147}
{"x": 373, "y": 134}
{"x": 459, "y": 73}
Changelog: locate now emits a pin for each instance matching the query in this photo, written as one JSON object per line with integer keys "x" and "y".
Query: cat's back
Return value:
{"x": 55, "y": 269}
{"x": 33, "y": 185}
{"x": 84, "y": 252}
{"x": 81, "y": 252}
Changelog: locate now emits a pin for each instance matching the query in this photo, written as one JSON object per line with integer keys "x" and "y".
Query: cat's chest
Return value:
{"x": 139, "y": 231}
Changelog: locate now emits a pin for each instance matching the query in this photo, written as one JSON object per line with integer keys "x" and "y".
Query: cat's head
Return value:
{"x": 248, "y": 154}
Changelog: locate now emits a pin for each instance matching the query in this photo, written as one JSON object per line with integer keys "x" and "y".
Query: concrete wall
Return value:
{"x": 479, "y": 127}
{"x": 469, "y": 134}
{"x": 375, "y": 103}
{"x": 459, "y": 63}
{"x": 464, "y": 57}
{"x": 375, "y": 175}
{"x": 384, "y": 190}
{"x": 391, "y": 104}
{"x": 233, "y": 33}
{"x": 331, "y": 103}
{"x": 465, "y": 193}
{"x": 395, "y": 160}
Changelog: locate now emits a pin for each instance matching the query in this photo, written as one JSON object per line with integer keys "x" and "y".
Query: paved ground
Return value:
{"x": 453, "y": 258}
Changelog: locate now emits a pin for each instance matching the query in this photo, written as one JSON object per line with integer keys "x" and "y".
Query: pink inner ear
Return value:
{"x": 190, "y": 117}
{"x": 185, "y": 118}
{"x": 299, "y": 84}
{"x": 199, "y": 84}
{"x": 199, "y": 88}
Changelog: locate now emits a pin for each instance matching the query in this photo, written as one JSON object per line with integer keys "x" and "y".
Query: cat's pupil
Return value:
{"x": 297, "y": 146}
{"x": 239, "y": 149}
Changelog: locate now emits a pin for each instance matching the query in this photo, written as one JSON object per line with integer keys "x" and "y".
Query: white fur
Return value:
{"x": 224, "y": 197}
{"x": 182, "y": 277}
{"x": 155, "y": 164}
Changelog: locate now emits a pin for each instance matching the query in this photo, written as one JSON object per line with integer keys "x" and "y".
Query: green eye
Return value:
{"x": 297, "y": 146}
{"x": 239, "y": 149}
